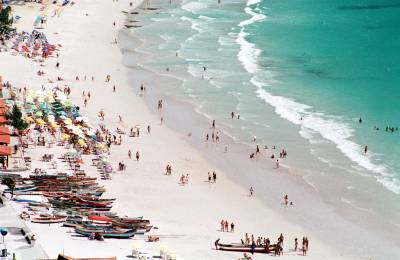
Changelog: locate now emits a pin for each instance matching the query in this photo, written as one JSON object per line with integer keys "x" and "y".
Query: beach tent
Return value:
{"x": 3, "y": 120}
{"x": 5, "y": 151}
{"x": 4, "y": 139}
{"x": 3, "y": 111}
{"x": 4, "y": 130}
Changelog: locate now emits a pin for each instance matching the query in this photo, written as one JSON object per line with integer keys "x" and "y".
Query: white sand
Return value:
{"x": 193, "y": 211}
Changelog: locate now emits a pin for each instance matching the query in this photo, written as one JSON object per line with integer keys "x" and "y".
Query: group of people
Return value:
{"x": 214, "y": 137}
{"x": 168, "y": 170}
{"x": 212, "y": 177}
{"x": 225, "y": 226}
{"x": 184, "y": 179}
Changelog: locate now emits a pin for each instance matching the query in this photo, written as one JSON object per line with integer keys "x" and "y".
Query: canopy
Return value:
{"x": 3, "y": 111}
{"x": 5, "y": 139}
{"x": 4, "y": 130}
{"x": 5, "y": 150}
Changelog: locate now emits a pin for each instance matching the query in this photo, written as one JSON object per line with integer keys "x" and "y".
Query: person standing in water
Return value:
{"x": 365, "y": 149}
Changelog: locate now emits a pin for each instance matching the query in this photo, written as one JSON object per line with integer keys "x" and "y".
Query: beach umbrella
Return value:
{"x": 40, "y": 121}
{"x": 81, "y": 142}
{"x": 54, "y": 125}
{"x": 66, "y": 136}
{"x": 67, "y": 103}
{"x": 67, "y": 121}
{"x": 39, "y": 113}
{"x": 28, "y": 119}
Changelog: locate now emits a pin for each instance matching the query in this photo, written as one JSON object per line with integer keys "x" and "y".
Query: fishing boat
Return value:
{"x": 22, "y": 189}
{"x": 48, "y": 220}
{"x": 237, "y": 247}
{"x": 105, "y": 233}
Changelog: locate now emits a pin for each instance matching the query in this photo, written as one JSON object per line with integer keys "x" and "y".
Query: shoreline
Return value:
{"x": 340, "y": 212}
{"x": 144, "y": 188}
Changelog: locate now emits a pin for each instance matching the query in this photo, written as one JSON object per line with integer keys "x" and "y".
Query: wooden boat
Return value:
{"x": 100, "y": 219}
{"x": 48, "y": 220}
{"x": 237, "y": 247}
{"x": 105, "y": 233}
{"x": 22, "y": 189}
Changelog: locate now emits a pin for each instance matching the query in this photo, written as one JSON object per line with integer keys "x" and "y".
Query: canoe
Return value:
{"x": 48, "y": 220}
{"x": 237, "y": 247}
{"x": 22, "y": 189}
{"x": 105, "y": 233}
{"x": 100, "y": 219}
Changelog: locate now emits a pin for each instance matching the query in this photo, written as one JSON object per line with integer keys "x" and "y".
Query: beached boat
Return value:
{"x": 22, "y": 189}
{"x": 237, "y": 247}
{"x": 105, "y": 233}
{"x": 48, "y": 220}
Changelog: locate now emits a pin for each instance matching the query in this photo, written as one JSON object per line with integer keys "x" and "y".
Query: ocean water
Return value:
{"x": 300, "y": 74}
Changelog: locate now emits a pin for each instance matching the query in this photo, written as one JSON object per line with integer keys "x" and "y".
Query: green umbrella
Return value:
{"x": 39, "y": 113}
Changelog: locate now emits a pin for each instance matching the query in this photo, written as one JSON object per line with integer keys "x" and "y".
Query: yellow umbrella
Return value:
{"x": 66, "y": 136}
{"x": 29, "y": 119}
{"x": 81, "y": 142}
{"x": 53, "y": 125}
{"x": 40, "y": 121}
{"x": 67, "y": 121}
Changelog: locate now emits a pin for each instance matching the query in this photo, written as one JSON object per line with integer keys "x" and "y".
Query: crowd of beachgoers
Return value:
{"x": 83, "y": 163}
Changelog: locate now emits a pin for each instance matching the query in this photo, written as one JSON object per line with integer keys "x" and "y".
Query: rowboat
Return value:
{"x": 100, "y": 219}
{"x": 105, "y": 233}
{"x": 237, "y": 247}
{"x": 48, "y": 220}
{"x": 22, "y": 189}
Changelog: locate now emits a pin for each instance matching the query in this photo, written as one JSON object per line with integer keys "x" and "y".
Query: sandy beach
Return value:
{"x": 187, "y": 216}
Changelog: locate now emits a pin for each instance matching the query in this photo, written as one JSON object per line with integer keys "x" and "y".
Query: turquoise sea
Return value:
{"x": 301, "y": 74}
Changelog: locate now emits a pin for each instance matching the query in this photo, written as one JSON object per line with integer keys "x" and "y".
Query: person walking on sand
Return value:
{"x": 130, "y": 154}
{"x": 296, "y": 243}
{"x": 222, "y": 225}
{"x": 214, "y": 177}
{"x": 209, "y": 177}
{"x": 161, "y": 120}
{"x": 114, "y": 88}
{"x": 286, "y": 199}
{"x": 232, "y": 227}
{"x": 277, "y": 164}
{"x": 226, "y": 226}
{"x": 137, "y": 156}
{"x": 213, "y": 124}
{"x": 148, "y": 129}
{"x": 251, "y": 191}
{"x": 307, "y": 244}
